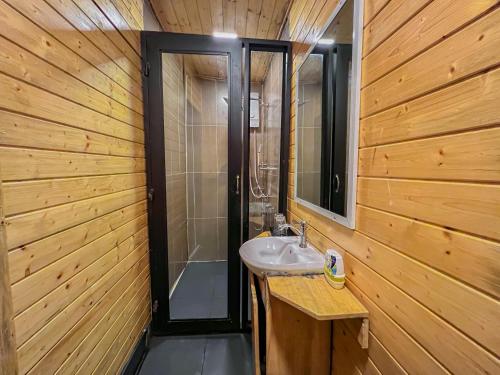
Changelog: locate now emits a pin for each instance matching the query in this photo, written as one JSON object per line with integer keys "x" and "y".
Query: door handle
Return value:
{"x": 337, "y": 183}
{"x": 237, "y": 184}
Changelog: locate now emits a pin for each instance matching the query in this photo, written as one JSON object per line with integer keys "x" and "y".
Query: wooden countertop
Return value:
{"x": 315, "y": 297}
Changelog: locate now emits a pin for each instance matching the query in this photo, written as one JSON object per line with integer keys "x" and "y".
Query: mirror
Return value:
{"x": 327, "y": 108}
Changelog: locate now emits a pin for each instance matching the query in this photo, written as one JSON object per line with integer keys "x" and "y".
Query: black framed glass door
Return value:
{"x": 192, "y": 96}
{"x": 266, "y": 139}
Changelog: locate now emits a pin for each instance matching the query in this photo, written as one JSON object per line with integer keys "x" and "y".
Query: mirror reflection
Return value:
{"x": 323, "y": 92}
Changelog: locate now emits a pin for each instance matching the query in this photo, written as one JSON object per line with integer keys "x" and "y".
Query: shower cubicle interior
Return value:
{"x": 266, "y": 104}
{"x": 196, "y": 130}
{"x": 217, "y": 126}
{"x": 196, "y": 137}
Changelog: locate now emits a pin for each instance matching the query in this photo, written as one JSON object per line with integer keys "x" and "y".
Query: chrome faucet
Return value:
{"x": 302, "y": 232}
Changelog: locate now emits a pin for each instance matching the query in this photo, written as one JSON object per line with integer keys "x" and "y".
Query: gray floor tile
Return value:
{"x": 218, "y": 308}
{"x": 195, "y": 279}
{"x": 196, "y": 307}
{"x": 180, "y": 355}
{"x": 200, "y": 288}
{"x": 200, "y": 293}
{"x": 220, "y": 286}
{"x": 228, "y": 354}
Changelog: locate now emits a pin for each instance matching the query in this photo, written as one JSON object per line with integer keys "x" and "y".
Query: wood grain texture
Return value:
{"x": 41, "y": 312}
{"x": 434, "y": 22}
{"x": 255, "y": 325}
{"x": 448, "y": 299}
{"x": 120, "y": 276}
{"x": 73, "y": 168}
{"x": 314, "y": 296}
{"x": 79, "y": 19}
{"x": 57, "y": 356}
{"x": 395, "y": 14}
{"x": 428, "y": 202}
{"x": 134, "y": 298}
{"x": 32, "y": 226}
{"x": 438, "y": 247}
{"x": 433, "y": 69}
{"x": 48, "y": 19}
{"x": 8, "y": 359}
{"x": 472, "y": 156}
{"x": 35, "y": 37}
{"x": 472, "y": 208}
{"x": 27, "y": 164}
{"x": 29, "y": 258}
{"x": 376, "y": 352}
{"x": 286, "y": 327}
{"x": 471, "y": 104}
{"x": 347, "y": 347}
{"x": 25, "y": 66}
{"x": 90, "y": 362}
{"x": 30, "y": 100}
{"x": 59, "y": 272}
{"x": 126, "y": 31}
{"x": 405, "y": 311}
{"x": 248, "y": 18}
{"x": 33, "y": 195}
{"x": 49, "y": 135}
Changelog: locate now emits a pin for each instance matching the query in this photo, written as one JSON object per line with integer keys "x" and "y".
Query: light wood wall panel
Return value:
{"x": 425, "y": 254}
{"x": 72, "y": 166}
{"x": 8, "y": 359}
{"x": 248, "y": 18}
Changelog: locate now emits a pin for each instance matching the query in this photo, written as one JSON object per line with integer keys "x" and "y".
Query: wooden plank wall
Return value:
{"x": 425, "y": 256}
{"x": 8, "y": 359}
{"x": 73, "y": 171}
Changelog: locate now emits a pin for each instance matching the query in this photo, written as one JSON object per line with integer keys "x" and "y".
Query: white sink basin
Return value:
{"x": 280, "y": 256}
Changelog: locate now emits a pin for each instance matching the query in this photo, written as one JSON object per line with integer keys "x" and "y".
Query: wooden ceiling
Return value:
{"x": 260, "y": 19}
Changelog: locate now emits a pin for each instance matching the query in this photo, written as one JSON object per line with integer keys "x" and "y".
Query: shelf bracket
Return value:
{"x": 363, "y": 333}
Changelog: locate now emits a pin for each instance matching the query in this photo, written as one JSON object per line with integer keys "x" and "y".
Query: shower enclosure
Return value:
{"x": 215, "y": 167}
{"x": 266, "y": 103}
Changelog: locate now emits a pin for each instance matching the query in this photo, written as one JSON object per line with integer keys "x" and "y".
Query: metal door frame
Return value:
{"x": 153, "y": 45}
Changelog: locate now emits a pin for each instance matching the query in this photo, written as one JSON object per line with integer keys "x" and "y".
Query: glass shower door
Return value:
{"x": 195, "y": 92}
{"x": 194, "y": 97}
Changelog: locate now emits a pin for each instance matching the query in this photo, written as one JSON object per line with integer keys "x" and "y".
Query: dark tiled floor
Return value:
{"x": 201, "y": 292}
{"x": 199, "y": 355}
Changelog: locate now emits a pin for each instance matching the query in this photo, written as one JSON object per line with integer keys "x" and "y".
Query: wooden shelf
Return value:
{"x": 316, "y": 298}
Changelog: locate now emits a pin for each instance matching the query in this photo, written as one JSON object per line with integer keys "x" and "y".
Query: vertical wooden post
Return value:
{"x": 8, "y": 358}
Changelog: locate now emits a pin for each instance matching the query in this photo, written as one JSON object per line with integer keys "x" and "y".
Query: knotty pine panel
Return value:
{"x": 99, "y": 339}
{"x": 471, "y": 156}
{"x": 437, "y": 21}
{"x": 471, "y": 104}
{"x": 72, "y": 166}
{"x": 438, "y": 66}
{"x": 49, "y": 135}
{"x": 89, "y": 306}
{"x": 395, "y": 14}
{"x": 428, "y": 198}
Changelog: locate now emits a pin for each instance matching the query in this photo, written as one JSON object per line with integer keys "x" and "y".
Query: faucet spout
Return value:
{"x": 303, "y": 234}
{"x": 300, "y": 232}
